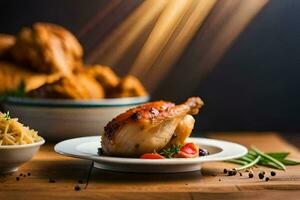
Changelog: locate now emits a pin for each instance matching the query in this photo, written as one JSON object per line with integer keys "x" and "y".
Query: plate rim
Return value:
{"x": 220, "y": 156}
{"x": 23, "y": 146}
{"x": 65, "y": 103}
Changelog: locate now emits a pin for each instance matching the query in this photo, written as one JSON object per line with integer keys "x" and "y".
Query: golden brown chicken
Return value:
{"x": 48, "y": 58}
{"x": 149, "y": 127}
{"x": 77, "y": 86}
{"x": 104, "y": 75}
{"x": 47, "y": 48}
{"x": 129, "y": 86}
{"x": 12, "y": 75}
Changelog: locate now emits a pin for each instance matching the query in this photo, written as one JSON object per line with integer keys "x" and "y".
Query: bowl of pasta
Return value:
{"x": 18, "y": 143}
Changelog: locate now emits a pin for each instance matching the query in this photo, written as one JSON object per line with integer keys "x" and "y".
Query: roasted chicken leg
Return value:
{"x": 149, "y": 127}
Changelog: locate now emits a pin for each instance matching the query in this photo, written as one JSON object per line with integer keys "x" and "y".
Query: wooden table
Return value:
{"x": 212, "y": 183}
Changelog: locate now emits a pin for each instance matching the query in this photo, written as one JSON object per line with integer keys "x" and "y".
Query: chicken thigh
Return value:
{"x": 149, "y": 127}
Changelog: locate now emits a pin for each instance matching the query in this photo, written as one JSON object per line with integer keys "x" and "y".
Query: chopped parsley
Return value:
{"x": 7, "y": 116}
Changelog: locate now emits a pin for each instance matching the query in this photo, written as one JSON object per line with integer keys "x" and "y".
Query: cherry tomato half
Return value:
{"x": 152, "y": 156}
{"x": 189, "y": 150}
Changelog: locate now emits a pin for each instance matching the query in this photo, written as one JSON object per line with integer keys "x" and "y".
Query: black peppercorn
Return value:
{"x": 261, "y": 175}
{"x": 225, "y": 171}
{"x": 28, "y": 174}
{"x": 77, "y": 188}
{"x": 21, "y": 174}
{"x": 230, "y": 173}
{"x": 251, "y": 175}
{"x": 273, "y": 173}
{"x": 240, "y": 174}
{"x": 17, "y": 178}
{"x": 267, "y": 179}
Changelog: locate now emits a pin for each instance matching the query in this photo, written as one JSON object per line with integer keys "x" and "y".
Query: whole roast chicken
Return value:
{"x": 150, "y": 127}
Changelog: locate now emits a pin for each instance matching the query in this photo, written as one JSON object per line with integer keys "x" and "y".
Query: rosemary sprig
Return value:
{"x": 174, "y": 149}
{"x": 255, "y": 156}
{"x": 252, "y": 163}
{"x": 279, "y": 164}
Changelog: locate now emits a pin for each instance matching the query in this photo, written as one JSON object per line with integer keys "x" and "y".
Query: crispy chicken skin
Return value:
{"x": 104, "y": 75}
{"x": 47, "y": 48}
{"x": 12, "y": 75}
{"x": 77, "y": 86}
{"x": 129, "y": 86}
{"x": 148, "y": 128}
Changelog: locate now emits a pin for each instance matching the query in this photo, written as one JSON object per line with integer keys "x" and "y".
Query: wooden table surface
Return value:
{"x": 210, "y": 184}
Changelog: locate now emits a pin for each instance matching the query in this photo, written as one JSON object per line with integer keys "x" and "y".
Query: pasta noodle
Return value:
{"x": 13, "y": 132}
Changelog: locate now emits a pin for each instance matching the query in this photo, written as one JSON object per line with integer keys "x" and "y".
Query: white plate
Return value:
{"x": 87, "y": 147}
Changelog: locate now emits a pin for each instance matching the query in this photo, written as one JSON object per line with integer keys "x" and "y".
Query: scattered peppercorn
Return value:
{"x": 261, "y": 175}
{"x": 251, "y": 175}
{"x": 77, "y": 188}
{"x": 273, "y": 173}
{"x": 17, "y": 178}
{"x": 24, "y": 175}
{"x": 225, "y": 171}
{"x": 80, "y": 181}
{"x": 219, "y": 179}
{"x": 240, "y": 174}
{"x": 28, "y": 174}
{"x": 263, "y": 172}
{"x": 230, "y": 173}
{"x": 267, "y": 179}
{"x": 51, "y": 180}
{"x": 21, "y": 174}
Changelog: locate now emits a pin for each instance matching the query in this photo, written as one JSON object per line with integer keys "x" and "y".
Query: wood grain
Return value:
{"x": 210, "y": 184}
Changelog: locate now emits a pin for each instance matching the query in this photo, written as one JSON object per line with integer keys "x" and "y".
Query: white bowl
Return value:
{"x": 12, "y": 156}
{"x": 62, "y": 119}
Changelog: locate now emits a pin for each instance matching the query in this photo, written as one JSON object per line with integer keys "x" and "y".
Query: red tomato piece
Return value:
{"x": 152, "y": 156}
{"x": 189, "y": 150}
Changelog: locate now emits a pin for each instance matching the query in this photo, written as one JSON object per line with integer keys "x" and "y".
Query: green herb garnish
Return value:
{"x": 168, "y": 153}
{"x": 255, "y": 156}
{"x": 7, "y": 116}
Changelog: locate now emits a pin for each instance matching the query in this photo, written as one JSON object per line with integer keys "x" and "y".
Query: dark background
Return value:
{"x": 255, "y": 86}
